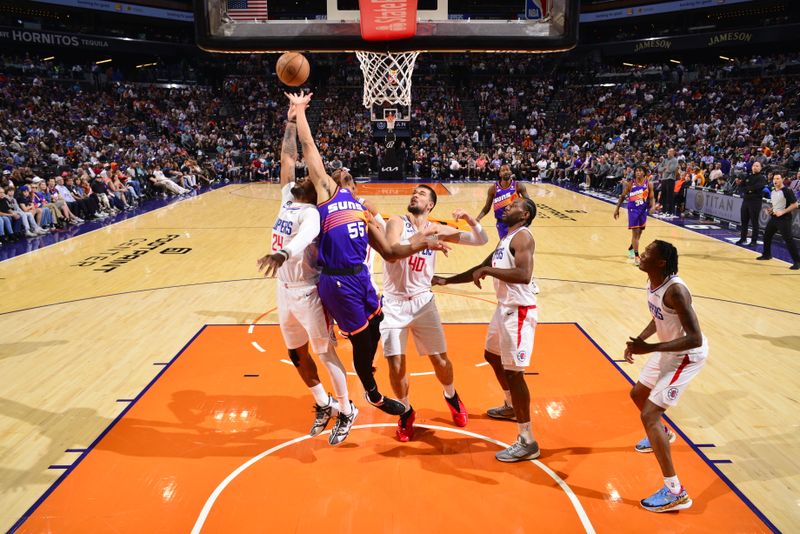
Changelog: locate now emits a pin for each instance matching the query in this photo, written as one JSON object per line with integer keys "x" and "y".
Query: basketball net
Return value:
{"x": 387, "y": 77}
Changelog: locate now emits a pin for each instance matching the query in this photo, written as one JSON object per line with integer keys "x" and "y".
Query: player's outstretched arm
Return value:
{"x": 316, "y": 169}
{"x": 476, "y": 237}
{"x": 522, "y": 246}
{"x": 487, "y": 207}
{"x": 289, "y": 147}
{"x": 462, "y": 278}
{"x": 398, "y": 250}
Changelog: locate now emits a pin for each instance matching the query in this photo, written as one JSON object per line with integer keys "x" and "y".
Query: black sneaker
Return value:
{"x": 795, "y": 267}
{"x": 342, "y": 426}
{"x": 388, "y": 405}
{"x": 740, "y": 242}
{"x": 764, "y": 257}
{"x": 322, "y": 416}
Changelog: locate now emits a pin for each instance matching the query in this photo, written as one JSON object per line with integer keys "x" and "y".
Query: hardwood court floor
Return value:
{"x": 82, "y": 332}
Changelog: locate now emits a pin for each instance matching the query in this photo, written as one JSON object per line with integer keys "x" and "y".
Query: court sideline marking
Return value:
{"x": 201, "y": 518}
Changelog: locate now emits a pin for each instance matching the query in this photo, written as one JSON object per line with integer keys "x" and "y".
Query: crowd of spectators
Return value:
{"x": 73, "y": 149}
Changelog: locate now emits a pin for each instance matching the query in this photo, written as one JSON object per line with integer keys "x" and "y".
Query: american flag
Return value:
{"x": 247, "y": 9}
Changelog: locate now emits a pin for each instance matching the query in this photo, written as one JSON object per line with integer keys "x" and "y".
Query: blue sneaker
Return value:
{"x": 665, "y": 501}
{"x": 644, "y": 445}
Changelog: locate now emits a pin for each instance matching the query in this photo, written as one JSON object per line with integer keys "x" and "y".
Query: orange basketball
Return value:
{"x": 292, "y": 69}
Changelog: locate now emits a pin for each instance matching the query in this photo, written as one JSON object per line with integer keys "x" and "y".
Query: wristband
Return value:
{"x": 477, "y": 228}
{"x": 282, "y": 251}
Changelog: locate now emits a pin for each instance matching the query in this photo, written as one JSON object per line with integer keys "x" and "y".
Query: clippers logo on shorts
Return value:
{"x": 343, "y": 240}
{"x": 521, "y": 355}
{"x": 671, "y": 393}
{"x": 503, "y": 197}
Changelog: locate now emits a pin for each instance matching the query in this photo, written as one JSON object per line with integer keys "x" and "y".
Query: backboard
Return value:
{"x": 244, "y": 26}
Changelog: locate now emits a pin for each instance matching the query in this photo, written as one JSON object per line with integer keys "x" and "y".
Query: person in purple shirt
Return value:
{"x": 345, "y": 288}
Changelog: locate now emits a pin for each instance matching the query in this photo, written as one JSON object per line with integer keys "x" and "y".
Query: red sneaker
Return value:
{"x": 460, "y": 416}
{"x": 405, "y": 432}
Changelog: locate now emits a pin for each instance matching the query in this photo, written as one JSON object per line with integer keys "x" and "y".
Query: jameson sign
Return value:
{"x": 651, "y": 44}
{"x": 730, "y": 37}
{"x": 34, "y": 38}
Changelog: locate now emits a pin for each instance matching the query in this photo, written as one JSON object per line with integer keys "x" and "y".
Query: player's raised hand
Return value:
{"x": 271, "y": 263}
{"x": 300, "y": 100}
{"x": 461, "y": 214}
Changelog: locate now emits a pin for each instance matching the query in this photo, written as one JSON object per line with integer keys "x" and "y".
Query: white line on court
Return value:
{"x": 201, "y": 518}
{"x": 422, "y": 374}
{"x": 250, "y": 330}
{"x": 258, "y": 347}
{"x": 481, "y": 364}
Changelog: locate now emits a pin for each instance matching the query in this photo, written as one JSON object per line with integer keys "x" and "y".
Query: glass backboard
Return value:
{"x": 333, "y": 25}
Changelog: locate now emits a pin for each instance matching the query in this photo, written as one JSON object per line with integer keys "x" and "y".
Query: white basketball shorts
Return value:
{"x": 511, "y": 333}
{"x": 418, "y": 315}
{"x": 303, "y": 319}
{"x": 667, "y": 375}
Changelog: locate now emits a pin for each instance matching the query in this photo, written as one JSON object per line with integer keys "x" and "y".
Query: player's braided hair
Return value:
{"x": 669, "y": 254}
{"x": 530, "y": 207}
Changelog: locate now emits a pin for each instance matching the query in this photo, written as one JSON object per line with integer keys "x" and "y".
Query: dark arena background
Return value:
{"x": 146, "y": 385}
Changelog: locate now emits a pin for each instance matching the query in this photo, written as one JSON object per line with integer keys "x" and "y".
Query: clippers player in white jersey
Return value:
{"x": 409, "y": 305}
{"x": 509, "y": 341}
{"x": 301, "y": 316}
{"x": 678, "y": 356}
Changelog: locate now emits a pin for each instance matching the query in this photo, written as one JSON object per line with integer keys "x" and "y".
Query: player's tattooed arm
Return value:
{"x": 316, "y": 168}
{"x": 289, "y": 147}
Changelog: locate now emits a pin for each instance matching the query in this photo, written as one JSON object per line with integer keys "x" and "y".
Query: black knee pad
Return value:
{"x": 294, "y": 357}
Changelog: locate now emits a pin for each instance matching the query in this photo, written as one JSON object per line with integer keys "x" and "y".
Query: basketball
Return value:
{"x": 292, "y": 69}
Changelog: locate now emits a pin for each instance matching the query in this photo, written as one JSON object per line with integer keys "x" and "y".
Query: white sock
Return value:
{"x": 673, "y": 484}
{"x": 320, "y": 395}
{"x": 339, "y": 379}
{"x": 507, "y": 393}
{"x": 449, "y": 391}
{"x": 405, "y": 402}
{"x": 525, "y": 432}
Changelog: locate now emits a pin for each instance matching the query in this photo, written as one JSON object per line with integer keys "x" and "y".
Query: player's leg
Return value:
{"x": 430, "y": 340}
{"x": 636, "y": 236}
{"x": 492, "y": 356}
{"x": 676, "y": 373}
{"x": 649, "y": 376}
{"x": 516, "y": 346}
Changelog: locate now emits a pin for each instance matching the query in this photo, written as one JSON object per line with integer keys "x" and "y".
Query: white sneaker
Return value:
{"x": 29, "y": 233}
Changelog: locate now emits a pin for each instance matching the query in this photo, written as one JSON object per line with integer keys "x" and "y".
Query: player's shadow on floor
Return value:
{"x": 784, "y": 342}
{"x": 9, "y": 350}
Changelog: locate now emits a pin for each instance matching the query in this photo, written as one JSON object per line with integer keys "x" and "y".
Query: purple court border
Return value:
{"x": 710, "y": 463}
{"x": 68, "y": 469}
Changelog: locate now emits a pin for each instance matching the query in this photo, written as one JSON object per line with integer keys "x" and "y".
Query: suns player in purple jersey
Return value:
{"x": 501, "y": 194}
{"x": 639, "y": 194}
{"x": 344, "y": 285}
{"x": 301, "y": 316}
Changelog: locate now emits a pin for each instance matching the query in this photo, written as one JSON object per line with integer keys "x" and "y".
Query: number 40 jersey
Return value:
{"x": 293, "y": 218}
{"x": 411, "y": 276}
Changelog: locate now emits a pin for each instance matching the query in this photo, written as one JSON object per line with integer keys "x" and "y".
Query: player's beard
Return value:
{"x": 415, "y": 210}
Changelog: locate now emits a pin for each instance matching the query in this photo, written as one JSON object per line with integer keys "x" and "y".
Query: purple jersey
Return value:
{"x": 638, "y": 205}
{"x": 503, "y": 197}
{"x": 343, "y": 239}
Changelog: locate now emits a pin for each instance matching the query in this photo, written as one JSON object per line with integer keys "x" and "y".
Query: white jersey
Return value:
{"x": 511, "y": 294}
{"x": 412, "y": 276}
{"x": 668, "y": 324}
{"x": 299, "y": 268}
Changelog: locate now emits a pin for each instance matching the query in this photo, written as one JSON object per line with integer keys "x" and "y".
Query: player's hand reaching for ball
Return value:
{"x": 271, "y": 263}
{"x": 291, "y": 115}
{"x": 299, "y": 100}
